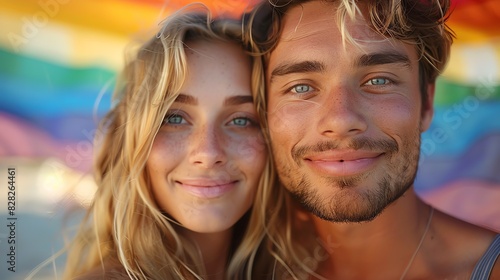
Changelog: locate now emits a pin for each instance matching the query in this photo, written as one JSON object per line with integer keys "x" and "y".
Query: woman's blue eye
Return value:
{"x": 301, "y": 88}
{"x": 174, "y": 119}
{"x": 240, "y": 121}
{"x": 378, "y": 81}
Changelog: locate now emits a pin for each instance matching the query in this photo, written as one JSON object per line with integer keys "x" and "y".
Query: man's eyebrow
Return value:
{"x": 186, "y": 99}
{"x": 297, "y": 67}
{"x": 382, "y": 58}
{"x": 238, "y": 100}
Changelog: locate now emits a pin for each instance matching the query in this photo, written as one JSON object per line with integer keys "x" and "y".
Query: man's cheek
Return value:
{"x": 279, "y": 120}
{"x": 291, "y": 116}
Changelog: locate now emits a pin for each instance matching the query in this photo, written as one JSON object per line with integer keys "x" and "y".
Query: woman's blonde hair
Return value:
{"x": 124, "y": 225}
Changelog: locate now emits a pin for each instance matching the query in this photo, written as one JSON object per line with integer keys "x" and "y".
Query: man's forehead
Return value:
{"x": 321, "y": 17}
{"x": 311, "y": 33}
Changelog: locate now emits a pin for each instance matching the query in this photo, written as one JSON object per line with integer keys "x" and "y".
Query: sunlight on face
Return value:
{"x": 208, "y": 156}
{"x": 344, "y": 121}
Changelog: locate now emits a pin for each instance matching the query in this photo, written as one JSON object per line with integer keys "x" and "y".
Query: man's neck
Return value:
{"x": 381, "y": 248}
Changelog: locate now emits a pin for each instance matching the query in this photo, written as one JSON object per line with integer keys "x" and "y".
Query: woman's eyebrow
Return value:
{"x": 238, "y": 100}
{"x": 186, "y": 99}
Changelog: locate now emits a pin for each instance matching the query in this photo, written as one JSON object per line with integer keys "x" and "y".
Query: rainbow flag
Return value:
{"x": 59, "y": 59}
{"x": 459, "y": 170}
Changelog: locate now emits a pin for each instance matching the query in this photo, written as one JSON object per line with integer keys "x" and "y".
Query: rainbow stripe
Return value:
{"x": 59, "y": 58}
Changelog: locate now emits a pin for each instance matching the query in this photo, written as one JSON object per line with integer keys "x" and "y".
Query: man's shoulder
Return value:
{"x": 459, "y": 242}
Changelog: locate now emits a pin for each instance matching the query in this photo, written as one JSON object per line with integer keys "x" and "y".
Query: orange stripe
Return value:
{"x": 120, "y": 17}
{"x": 481, "y": 16}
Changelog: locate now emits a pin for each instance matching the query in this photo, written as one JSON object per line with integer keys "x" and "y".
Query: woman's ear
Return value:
{"x": 428, "y": 108}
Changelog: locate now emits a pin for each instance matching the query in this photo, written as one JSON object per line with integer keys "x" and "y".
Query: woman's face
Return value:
{"x": 208, "y": 156}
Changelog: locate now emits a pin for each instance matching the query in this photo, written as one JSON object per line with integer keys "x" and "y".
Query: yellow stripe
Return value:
{"x": 67, "y": 45}
{"x": 455, "y": 66}
{"x": 114, "y": 16}
{"x": 474, "y": 62}
{"x": 467, "y": 35}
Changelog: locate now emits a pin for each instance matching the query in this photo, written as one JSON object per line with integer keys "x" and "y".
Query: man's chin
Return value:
{"x": 347, "y": 216}
{"x": 349, "y": 204}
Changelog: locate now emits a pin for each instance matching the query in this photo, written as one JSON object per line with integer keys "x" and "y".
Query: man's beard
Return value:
{"x": 350, "y": 203}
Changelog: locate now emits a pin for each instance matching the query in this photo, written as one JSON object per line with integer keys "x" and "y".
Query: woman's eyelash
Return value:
{"x": 173, "y": 118}
{"x": 240, "y": 121}
{"x": 243, "y": 121}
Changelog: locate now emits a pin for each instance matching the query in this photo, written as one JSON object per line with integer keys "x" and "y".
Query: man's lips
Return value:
{"x": 343, "y": 163}
{"x": 206, "y": 188}
{"x": 348, "y": 155}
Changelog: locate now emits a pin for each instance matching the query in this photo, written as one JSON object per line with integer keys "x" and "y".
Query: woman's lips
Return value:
{"x": 343, "y": 163}
{"x": 206, "y": 188}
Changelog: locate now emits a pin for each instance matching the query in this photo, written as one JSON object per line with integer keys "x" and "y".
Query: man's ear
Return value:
{"x": 428, "y": 108}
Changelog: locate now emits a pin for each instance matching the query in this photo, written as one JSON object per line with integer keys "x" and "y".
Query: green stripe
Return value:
{"x": 36, "y": 71}
{"x": 449, "y": 93}
{"x": 39, "y": 72}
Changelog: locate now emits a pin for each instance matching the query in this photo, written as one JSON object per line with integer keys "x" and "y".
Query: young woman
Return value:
{"x": 185, "y": 186}
{"x": 180, "y": 163}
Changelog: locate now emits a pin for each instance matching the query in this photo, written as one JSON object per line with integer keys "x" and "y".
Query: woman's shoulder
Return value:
{"x": 112, "y": 271}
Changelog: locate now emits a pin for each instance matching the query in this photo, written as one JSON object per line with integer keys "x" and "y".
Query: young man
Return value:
{"x": 350, "y": 87}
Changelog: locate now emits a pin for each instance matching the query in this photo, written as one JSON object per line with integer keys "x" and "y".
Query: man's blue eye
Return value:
{"x": 301, "y": 88}
{"x": 378, "y": 81}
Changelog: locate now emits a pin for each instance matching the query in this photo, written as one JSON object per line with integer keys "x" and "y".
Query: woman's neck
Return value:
{"x": 214, "y": 249}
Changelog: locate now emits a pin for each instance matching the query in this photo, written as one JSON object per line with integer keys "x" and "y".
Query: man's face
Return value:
{"x": 345, "y": 121}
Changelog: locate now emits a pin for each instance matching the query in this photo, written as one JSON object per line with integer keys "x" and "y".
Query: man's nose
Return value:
{"x": 342, "y": 113}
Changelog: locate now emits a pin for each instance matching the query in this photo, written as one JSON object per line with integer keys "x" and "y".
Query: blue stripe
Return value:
{"x": 455, "y": 128}
{"x": 479, "y": 161}
{"x": 31, "y": 101}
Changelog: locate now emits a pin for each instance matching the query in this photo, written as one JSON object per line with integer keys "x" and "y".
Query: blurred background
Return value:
{"x": 58, "y": 62}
